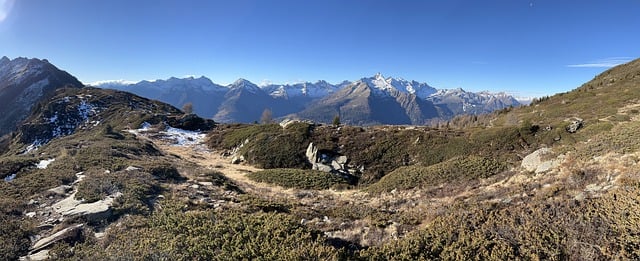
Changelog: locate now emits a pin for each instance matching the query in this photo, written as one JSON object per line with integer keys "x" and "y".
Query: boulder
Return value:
{"x": 335, "y": 165}
{"x": 576, "y": 123}
{"x": 312, "y": 153}
{"x": 535, "y": 162}
{"x": 237, "y": 159}
{"x": 322, "y": 167}
{"x": 342, "y": 160}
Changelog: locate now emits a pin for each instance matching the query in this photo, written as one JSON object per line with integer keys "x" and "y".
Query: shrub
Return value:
{"x": 165, "y": 172}
{"x": 175, "y": 233}
{"x": 295, "y": 178}
{"x": 453, "y": 170}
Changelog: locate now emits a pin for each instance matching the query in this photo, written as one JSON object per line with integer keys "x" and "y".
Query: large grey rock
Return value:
{"x": 336, "y": 165}
{"x": 541, "y": 160}
{"x": 342, "y": 160}
{"x": 312, "y": 153}
{"x": 322, "y": 167}
{"x": 576, "y": 123}
{"x": 95, "y": 211}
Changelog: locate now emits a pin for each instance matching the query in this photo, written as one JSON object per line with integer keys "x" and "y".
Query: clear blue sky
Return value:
{"x": 529, "y": 47}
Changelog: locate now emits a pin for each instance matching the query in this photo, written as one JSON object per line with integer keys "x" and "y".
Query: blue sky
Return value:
{"x": 526, "y": 47}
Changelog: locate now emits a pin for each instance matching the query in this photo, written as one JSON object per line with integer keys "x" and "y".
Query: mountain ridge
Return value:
{"x": 291, "y": 100}
{"x": 23, "y": 83}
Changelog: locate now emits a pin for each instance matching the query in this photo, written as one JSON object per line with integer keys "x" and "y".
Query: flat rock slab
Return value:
{"x": 68, "y": 232}
{"x": 71, "y": 207}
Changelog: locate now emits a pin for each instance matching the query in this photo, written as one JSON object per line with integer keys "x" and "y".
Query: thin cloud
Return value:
{"x": 603, "y": 63}
{"x": 5, "y": 9}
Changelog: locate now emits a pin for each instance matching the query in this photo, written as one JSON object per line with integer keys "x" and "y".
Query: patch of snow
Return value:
{"x": 35, "y": 145}
{"x": 10, "y": 177}
{"x": 86, "y": 109}
{"x": 145, "y": 126}
{"x": 183, "y": 137}
{"x": 43, "y": 164}
{"x": 53, "y": 118}
{"x": 178, "y": 137}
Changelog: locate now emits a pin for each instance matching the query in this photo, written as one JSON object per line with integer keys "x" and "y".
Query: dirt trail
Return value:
{"x": 201, "y": 156}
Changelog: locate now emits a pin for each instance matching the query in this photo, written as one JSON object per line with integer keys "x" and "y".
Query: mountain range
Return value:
{"x": 367, "y": 101}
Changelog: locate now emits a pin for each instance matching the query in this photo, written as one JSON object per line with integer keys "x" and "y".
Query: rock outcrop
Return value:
{"x": 574, "y": 125}
{"x": 325, "y": 162}
{"x": 95, "y": 211}
{"x": 541, "y": 160}
{"x": 67, "y": 233}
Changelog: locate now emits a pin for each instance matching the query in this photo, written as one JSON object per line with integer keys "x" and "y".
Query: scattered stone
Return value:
{"x": 33, "y": 202}
{"x": 70, "y": 232}
{"x": 95, "y": 211}
{"x": 205, "y": 183}
{"x": 30, "y": 214}
{"x": 237, "y": 159}
{"x": 593, "y": 188}
{"x": 132, "y": 168}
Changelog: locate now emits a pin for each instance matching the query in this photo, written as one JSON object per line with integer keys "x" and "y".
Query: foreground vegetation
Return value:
{"x": 301, "y": 179}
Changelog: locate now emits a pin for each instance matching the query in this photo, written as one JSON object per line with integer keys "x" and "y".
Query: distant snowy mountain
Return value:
{"x": 385, "y": 85}
{"x": 459, "y": 101}
{"x": 205, "y": 95}
{"x": 370, "y": 100}
{"x": 318, "y": 89}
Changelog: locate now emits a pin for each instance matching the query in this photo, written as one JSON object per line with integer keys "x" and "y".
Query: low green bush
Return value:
{"x": 454, "y": 170}
{"x": 295, "y": 178}
{"x": 174, "y": 233}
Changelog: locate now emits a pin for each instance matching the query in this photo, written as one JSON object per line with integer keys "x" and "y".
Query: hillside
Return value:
{"x": 103, "y": 174}
{"x": 23, "y": 83}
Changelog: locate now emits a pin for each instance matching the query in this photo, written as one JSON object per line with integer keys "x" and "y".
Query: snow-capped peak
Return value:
{"x": 384, "y": 85}
{"x": 245, "y": 84}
